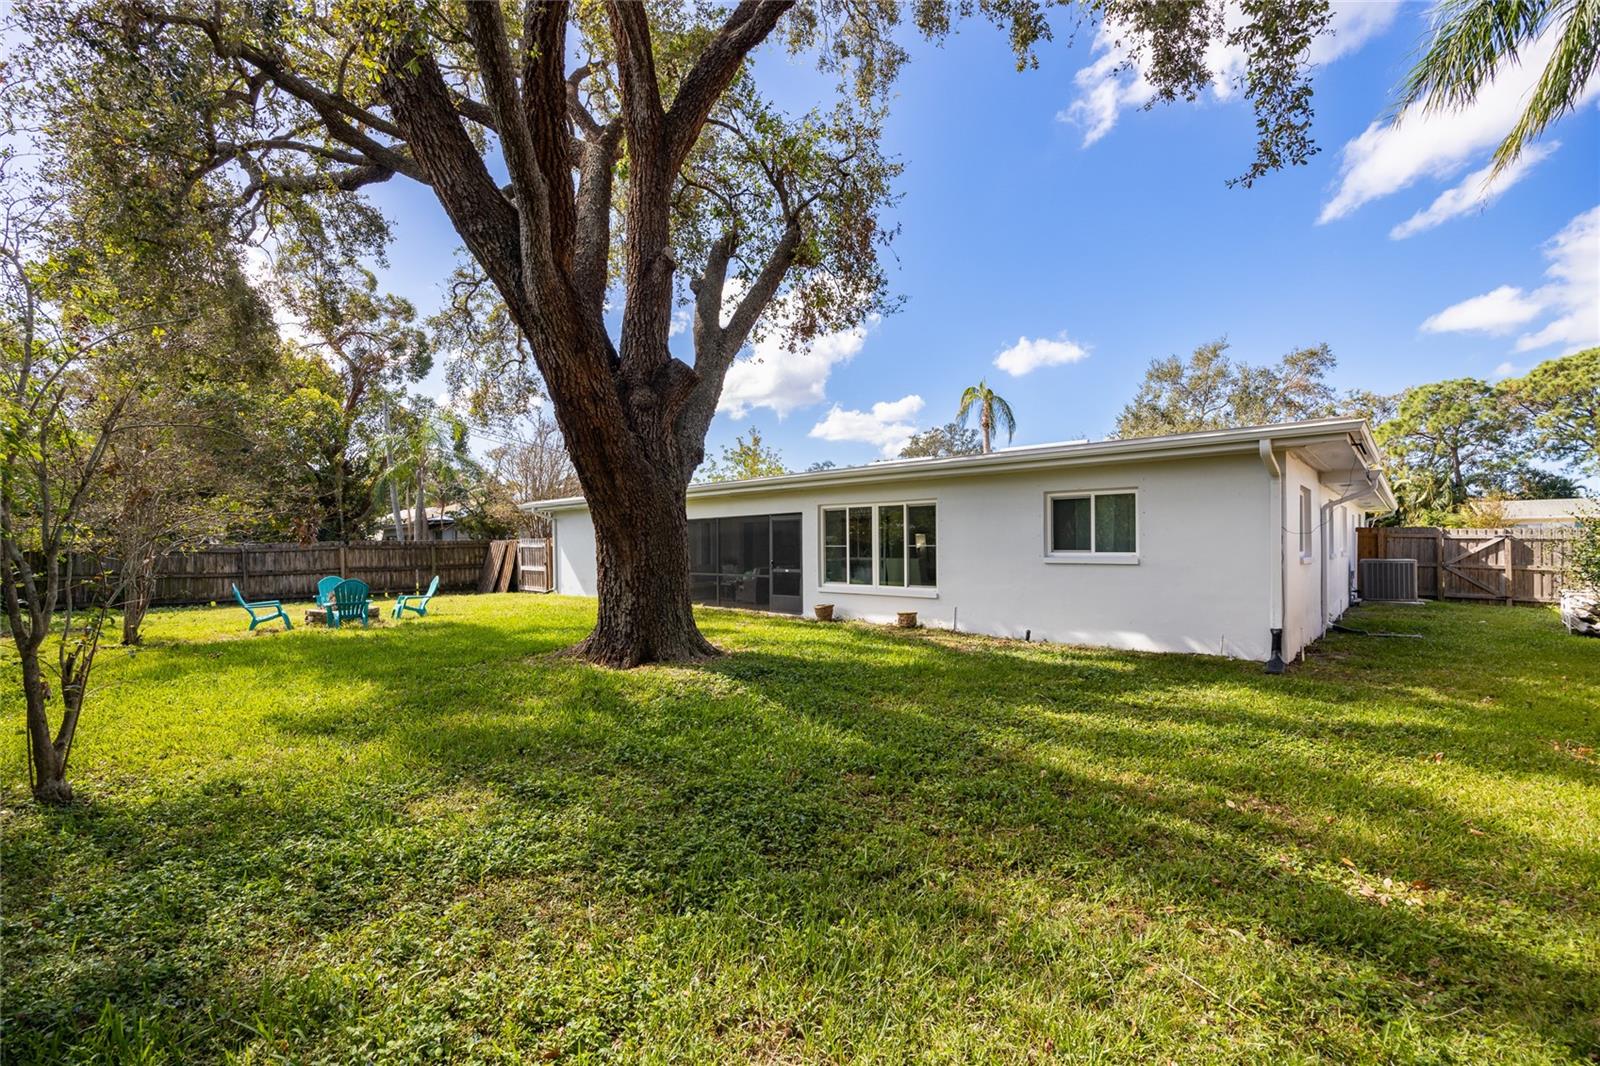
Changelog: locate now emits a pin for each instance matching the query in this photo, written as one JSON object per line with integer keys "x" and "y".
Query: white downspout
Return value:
{"x": 1276, "y": 581}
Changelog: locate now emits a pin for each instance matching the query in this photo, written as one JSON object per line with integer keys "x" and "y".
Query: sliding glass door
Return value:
{"x": 752, "y": 561}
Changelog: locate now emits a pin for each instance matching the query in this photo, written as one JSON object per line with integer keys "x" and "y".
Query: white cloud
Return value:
{"x": 1111, "y": 84}
{"x": 1386, "y": 158}
{"x": 1568, "y": 302}
{"x": 1030, "y": 354}
{"x": 888, "y": 425}
{"x": 1573, "y": 292}
{"x": 1504, "y": 370}
{"x": 771, "y": 376}
{"x": 680, "y": 321}
{"x": 1498, "y": 311}
{"x": 782, "y": 381}
{"x": 1475, "y": 192}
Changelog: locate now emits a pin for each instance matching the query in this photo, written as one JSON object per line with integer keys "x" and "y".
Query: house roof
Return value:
{"x": 1530, "y": 510}
{"x": 445, "y": 515}
{"x": 1334, "y": 446}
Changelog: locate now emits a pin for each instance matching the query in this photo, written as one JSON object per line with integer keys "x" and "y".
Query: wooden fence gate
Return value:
{"x": 1489, "y": 565}
{"x": 536, "y": 565}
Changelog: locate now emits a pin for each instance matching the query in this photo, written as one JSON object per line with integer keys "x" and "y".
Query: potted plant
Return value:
{"x": 1580, "y": 593}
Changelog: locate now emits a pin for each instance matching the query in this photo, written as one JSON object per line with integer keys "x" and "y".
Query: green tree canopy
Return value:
{"x": 743, "y": 459}
{"x": 1561, "y": 399}
{"x": 952, "y": 438}
{"x": 1212, "y": 391}
{"x": 1454, "y": 440}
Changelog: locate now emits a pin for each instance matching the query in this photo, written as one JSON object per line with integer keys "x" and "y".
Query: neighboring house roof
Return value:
{"x": 1560, "y": 510}
{"x": 1332, "y": 445}
{"x": 436, "y": 515}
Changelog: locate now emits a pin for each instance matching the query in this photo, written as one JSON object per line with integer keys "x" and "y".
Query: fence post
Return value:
{"x": 1511, "y": 578}
{"x": 1439, "y": 564}
{"x": 244, "y": 573}
{"x": 342, "y": 546}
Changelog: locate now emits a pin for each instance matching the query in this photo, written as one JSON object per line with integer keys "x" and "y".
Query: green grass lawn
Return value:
{"x": 432, "y": 840}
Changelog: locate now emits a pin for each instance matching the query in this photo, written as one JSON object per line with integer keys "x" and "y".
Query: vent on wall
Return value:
{"x": 1389, "y": 580}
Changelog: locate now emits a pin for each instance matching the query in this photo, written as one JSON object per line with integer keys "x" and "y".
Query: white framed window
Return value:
{"x": 1102, "y": 525}
{"x": 881, "y": 546}
{"x": 1305, "y": 523}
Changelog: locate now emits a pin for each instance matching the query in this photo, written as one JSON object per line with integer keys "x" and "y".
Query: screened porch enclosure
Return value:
{"x": 752, "y": 561}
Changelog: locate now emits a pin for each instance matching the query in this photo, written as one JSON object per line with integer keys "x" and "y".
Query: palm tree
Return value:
{"x": 1474, "y": 39}
{"x": 991, "y": 409}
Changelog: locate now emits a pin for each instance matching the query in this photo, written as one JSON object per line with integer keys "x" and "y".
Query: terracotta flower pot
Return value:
{"x": 824, "y": 612}
{"x": 906, "y": 619}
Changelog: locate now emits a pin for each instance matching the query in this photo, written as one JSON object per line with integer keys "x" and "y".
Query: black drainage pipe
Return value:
{"x": 1275, "y": 664}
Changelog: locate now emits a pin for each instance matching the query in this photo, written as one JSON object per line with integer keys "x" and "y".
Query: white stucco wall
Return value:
{"x": 1201, "y": 582}
{"x": 1319, "y": 581}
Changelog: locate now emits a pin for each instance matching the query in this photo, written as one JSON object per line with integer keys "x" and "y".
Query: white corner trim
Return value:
{"x": 1094, "y": 559}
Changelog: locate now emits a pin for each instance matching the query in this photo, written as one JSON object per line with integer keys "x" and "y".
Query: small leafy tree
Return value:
{"x": 1583, "y": 553}
{"x": 952, "y": 438}
{"x": 993, "y": 412}
{"x": 57, "y": 418}
{"x": 744, "y": 459}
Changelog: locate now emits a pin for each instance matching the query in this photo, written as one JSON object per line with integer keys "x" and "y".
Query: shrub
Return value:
{"x": 1583, "y": 555}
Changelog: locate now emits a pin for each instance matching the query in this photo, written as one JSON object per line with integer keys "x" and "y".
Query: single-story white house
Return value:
{"x": 1236, "y": 542}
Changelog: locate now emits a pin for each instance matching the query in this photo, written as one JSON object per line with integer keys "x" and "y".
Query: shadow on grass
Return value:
{"x": 819, "y": 778}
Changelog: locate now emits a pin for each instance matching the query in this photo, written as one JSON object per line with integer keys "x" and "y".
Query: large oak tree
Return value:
{"x": 616, "y": 154}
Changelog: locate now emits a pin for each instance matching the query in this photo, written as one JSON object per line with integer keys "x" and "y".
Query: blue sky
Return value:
{"x": 1050, "y": 224}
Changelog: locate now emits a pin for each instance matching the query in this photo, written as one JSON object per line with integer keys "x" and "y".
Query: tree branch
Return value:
{"x": 714, "y": 71}
{"x": 488, "y": 224}
{"x": 592, "y": 251}
{"x": 716, "y": 345}
{"x": 545, "y": 104}
{"x": 580, "y": 115}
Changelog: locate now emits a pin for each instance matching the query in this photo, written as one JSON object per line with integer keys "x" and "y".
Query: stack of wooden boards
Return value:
{"x": 499, "y": 567}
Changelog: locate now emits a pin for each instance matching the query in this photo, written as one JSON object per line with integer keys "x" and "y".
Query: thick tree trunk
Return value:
{"x": 642, "y": 577}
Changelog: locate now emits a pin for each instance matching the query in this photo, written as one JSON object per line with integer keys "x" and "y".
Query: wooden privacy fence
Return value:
{"x": 291, "y": 571}
{"x": 1491, "y": 565}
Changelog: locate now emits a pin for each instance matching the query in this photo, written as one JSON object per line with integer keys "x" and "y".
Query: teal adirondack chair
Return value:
{"x": 349, "y": 601}
{"x": 412, "y": 602}
{"x": 325, "y": 589}
{"x": 269, "y": 609}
